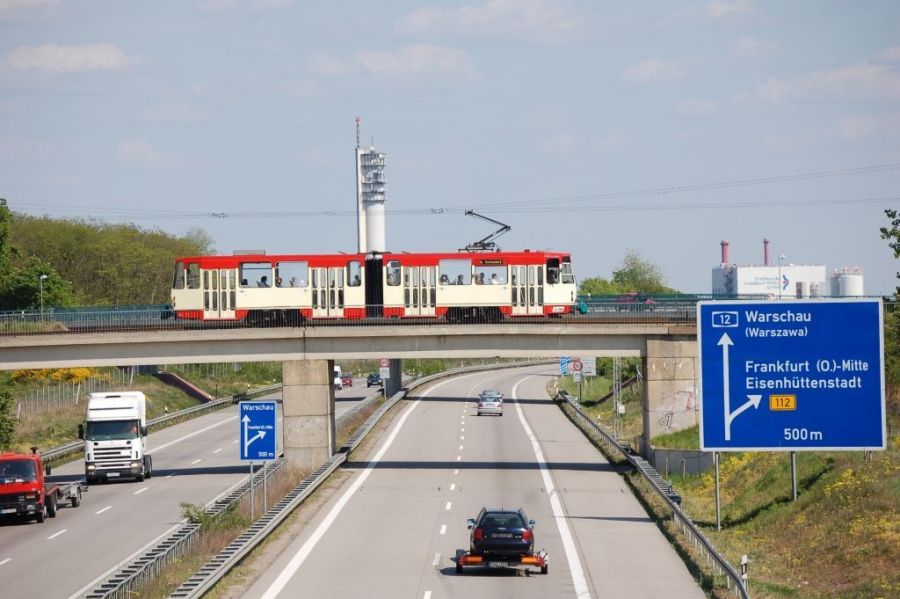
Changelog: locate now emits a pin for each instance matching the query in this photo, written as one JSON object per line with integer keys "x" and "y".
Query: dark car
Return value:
{"x": 501, "y": 535}
{"x": 347, "y": 379}
{"x": 374, "y": 380}
{"x": 635, "y": 302}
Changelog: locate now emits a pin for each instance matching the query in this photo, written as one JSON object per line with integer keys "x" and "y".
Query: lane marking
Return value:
{"x": 460, "y": 447}
{"x": 171, "y": 475}
{"x": 427, "y": 595}
{"x": 437, "y": 560}
{"x": 456, "y": 471}
{"x": 449, "y": 503}
{"x": 292, "y": 566}
{"x": 6, "y": 561}
{"x": 56, "y": 534}
{"x": 578, "y": 579}
{"x": 459, "y": 458}
{"x": 197, "y": 461}
{"x": 195, "y": 433}
{"x": 462, "y": 437}
{"x": 443, "y": 530}
{"x": 139, "y": 491}
{"x": 218, "y": 450}
{"x": 235, "y": 442}
{"x": 452, "y": 486}
{"x": 462, "y": 430}
{"x": 103, "y": 510}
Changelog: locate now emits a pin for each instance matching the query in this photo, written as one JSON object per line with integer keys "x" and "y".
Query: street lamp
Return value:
{"x": 42, "y": 294}
{"x": 780, "y": 285}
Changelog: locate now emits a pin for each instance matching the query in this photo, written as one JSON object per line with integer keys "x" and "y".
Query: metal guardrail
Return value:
{"x": 695, "y": 536}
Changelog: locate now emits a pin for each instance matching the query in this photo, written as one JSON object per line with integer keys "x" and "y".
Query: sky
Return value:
{"x": 595, "y": 127}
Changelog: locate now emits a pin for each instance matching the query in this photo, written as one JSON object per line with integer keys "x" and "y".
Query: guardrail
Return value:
{"x": 695, "y": 536}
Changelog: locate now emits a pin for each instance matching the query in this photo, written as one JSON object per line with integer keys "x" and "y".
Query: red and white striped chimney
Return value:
{"x": 724, "y": 252}
{"x": 765, "y": 252}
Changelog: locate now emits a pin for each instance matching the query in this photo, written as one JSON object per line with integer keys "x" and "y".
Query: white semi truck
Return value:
{"x": 115, "y": 437}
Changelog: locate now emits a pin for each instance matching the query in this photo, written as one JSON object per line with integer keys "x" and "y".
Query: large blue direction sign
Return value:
{"x": 791, "y": 375}
{"x": 257, "y": 434}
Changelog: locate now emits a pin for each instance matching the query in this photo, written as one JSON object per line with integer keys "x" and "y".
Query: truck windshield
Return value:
{"x": 17, "y": 471}
{"x": 110, "y": 430}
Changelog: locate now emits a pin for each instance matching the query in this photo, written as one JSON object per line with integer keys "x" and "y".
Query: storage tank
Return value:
{"x": 847, "y": 282}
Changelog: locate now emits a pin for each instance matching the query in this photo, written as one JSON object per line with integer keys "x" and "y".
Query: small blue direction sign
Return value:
{"x": 791, "y": 375}
{"x": 564, "y": 365}
{"x": 257, "y": 430}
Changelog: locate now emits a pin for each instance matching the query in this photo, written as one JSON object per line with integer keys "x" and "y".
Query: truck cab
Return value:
{"x": 21, "y": 485}
{"x": 115, "y": 437}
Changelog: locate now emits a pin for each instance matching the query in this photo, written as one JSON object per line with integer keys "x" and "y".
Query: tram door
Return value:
{"x": 219, "y": 293}
{"x": 527, "y": 284}
{"x": 419, "y": 294}
{"x": 327, "y": 291}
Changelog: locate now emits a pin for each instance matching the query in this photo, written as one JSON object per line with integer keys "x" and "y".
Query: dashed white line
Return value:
{"x": 443, "y": 529}
{"x": 235, "y": 442}
{"x": 218, "y": 450}
{"x": 427, "y": 595}
{"x": 449, "y": 503}
{"x": 197, "y": 461}
{"x": 459, "y": 458}
{"x": 189, "y": 435}
{"x": 462, "y": 430}
{"x": 6, "y": 561}
{"x": 456, "y": 471}
{"x": 460, "y": 447}
{"x": 171, "y": 475}
{"x": 462, "y": 437}
{"x": 437, "y": 560}
{"x": 452, "y": 486}
{"x": 56, "y": 534}
{"x": 139, "y": 491}
{"x": 103, "y": 510}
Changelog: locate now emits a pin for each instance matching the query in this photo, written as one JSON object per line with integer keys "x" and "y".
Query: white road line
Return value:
{"x": 462, "y": 430}
{"x": 103, "y": 510}
{"x": 578, "y": 579}
{"x": 189, "y": 435}
{"x": 197, "y": 461}
{"x": 291, "y": 568}
{"x": 218, "y": 450}
{"x": 459, "y": 458}
{"x": 452, "y": 486}
{"x": 427, "y": 595}
{"x": 139, "y": 491}
{"x": 456, "y": 471}
{"x": 56, "y": 534}
{"x": 6, "y": 561}
{"x": 443, "y": 529}
{"x": 449, "y": 504}
{"x": 460, "y": 447}
{"x": 170, "y": 475}
{"x": 235, "y": 442}
{"x": 462, "y": 437}
{"x": 437, "y": 560}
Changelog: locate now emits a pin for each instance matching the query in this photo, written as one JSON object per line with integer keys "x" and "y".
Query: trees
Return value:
{"x": 634, "y": 274}
{"x": 892, "y": 234}
{"x": 7, "y": 420}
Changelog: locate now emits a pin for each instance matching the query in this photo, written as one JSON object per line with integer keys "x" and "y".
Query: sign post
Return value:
{"x": 791, "y": 375}
{"x": 384, "y": 368}
{"x": 257, "y": 440}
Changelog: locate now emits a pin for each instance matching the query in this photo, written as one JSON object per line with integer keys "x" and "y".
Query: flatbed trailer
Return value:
{"x": 539, "y": 560}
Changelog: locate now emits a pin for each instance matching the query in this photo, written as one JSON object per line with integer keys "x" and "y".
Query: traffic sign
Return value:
{"x": 564, "y": 365}
{"x": 589, "y": 367}
{"x": 384, "y": 362}
{"x": 257, "y": 430}
{"x": 791, "y": 375}
{"x": 577, "y": 365}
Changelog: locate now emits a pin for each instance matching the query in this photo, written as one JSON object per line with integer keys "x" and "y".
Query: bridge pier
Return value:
{"x": 395, "y": 382}
{"x": 669, "y": 400}
{"x": 308, "y": 394}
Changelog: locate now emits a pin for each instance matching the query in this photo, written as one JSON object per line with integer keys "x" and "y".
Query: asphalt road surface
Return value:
{"x": 393, "y": 528}
{"x": 194, "y": 461}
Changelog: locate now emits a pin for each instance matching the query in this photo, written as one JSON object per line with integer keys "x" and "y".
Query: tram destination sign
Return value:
{"x": 791, "y": 375}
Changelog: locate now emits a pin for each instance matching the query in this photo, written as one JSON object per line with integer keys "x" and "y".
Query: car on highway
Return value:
{"x": 374, "y": 380}
{"x": 635, "y": 301}
{"x": 490, "y": 402}
{"x": 501, "y": 538}
{"x": 347, "y": 379}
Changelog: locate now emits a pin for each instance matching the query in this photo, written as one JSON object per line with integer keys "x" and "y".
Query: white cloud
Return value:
{"x": 693, "y": 107}
{"x": 535, "y": 20}
{"x": 891, "y": 54}
{"x": 652, "y": 70}
{"x": 67, "y": 59}
{"x": 330, "y": 66}
{"x": 139, "y": 152}
{"x": 722, "y": 8}
{"x": 303, "y": 88}
{"x": 16, "y": 7}
{"x": 176, "y": 112}
{"x": 560, "y": 142}
{"x": 419, "y": 59}
{"x": 856, "y": 127}
{"x": 750, "y": 47}
{"x": 861, "y": 80}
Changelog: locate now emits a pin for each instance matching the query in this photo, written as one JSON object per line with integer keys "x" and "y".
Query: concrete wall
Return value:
{"x": 308, "y": 395}
{"x": 670, "y": 385}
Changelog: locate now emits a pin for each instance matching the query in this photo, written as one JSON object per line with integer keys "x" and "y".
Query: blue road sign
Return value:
{"x": 257, "y": 434}
{"x": 791, "y": 375}
{"x": 564, "y": 365}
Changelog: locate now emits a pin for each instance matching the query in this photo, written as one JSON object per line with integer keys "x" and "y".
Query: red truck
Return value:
{"x": 24, "y": 492}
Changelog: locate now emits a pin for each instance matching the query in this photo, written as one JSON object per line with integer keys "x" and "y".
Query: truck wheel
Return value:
{"x": 51, "y": 505}
{"x": 458, "y": 568}
{"x": 76, "y": 498}
{"x": 148, "y": 466}
{"x": 545, "y": 569}
{"x": 40, "y": 515}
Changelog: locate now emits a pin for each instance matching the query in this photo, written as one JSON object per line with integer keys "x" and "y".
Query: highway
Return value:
{"x": 194, "y": 461}
{"x": 393, "y": 527}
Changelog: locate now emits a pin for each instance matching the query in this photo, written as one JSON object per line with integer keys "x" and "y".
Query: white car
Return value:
{"x": 490, "y": 402}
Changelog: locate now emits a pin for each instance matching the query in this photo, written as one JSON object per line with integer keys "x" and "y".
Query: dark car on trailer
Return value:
{"x": 502, "y": 538}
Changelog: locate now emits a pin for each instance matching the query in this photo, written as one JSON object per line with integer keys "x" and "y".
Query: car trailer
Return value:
{"x": 540, "y": 560}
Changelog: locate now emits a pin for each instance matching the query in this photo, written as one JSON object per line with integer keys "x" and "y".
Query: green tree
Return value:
{"x": 892, "y": 234}
{"x": 5, "y": 236}
{"x": 21, "y": 287}
{"x": 598, "y": 286}
{"x": 640, "y": 275}
{"x": 7, "y": 421}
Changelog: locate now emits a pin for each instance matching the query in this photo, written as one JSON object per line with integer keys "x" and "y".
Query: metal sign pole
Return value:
{"x": 794, "y": 476}
{"x": 265, "y": 509}
{"x": 251, "y": 492}
{"x": 718, "y": 497}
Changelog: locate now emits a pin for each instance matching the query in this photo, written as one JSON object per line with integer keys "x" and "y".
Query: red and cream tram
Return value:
{"x": 288, "y": 289}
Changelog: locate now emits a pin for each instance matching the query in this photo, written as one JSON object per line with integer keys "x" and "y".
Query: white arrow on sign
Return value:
{"x": 726, "y": 342}
{"x": 247, "y": 438}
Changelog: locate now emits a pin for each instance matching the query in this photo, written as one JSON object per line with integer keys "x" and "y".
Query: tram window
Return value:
{"x": 568, "y": 277}
{"x": 193, "y": 276}
{"x": 393, "y": 273}
{"x": 552, "y": 271}
{"x": 178, "y": 280}
{"x": 540, "y": 275}
{"x": 253, "y": 273}
{"x": 493, "y": 275}
{"x": 354, "y": 278}
{"x": 459, "y": 272}
{"x": 206, "y": 279}
{"x": 292, "y": 274}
